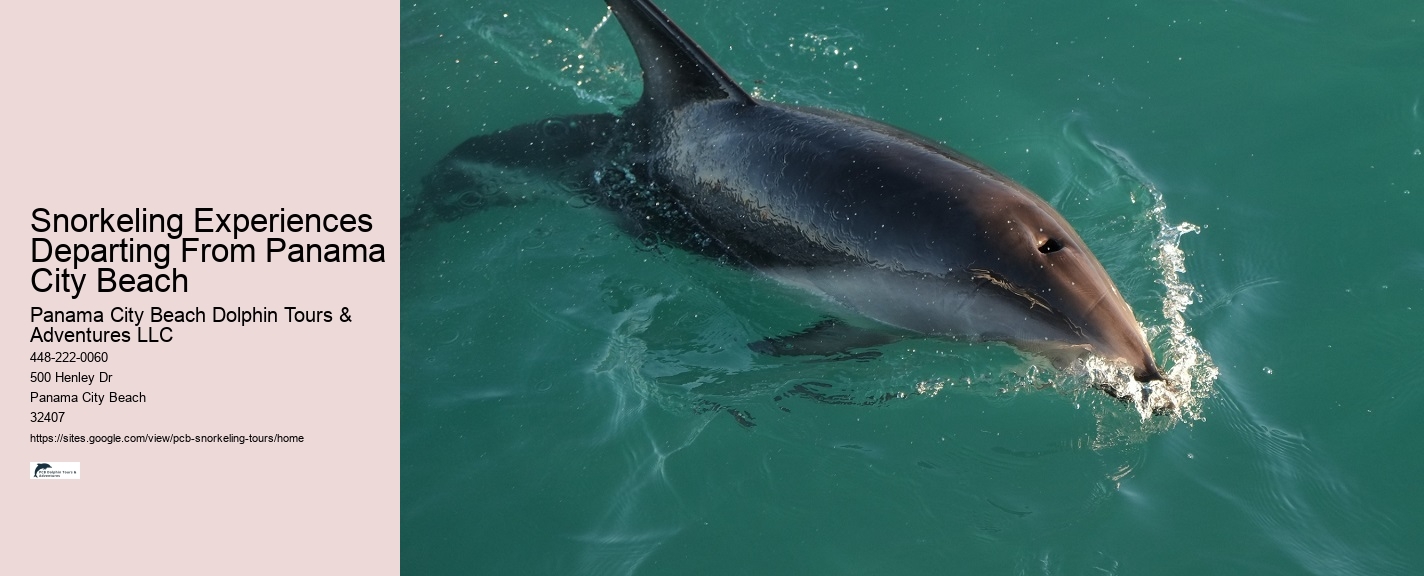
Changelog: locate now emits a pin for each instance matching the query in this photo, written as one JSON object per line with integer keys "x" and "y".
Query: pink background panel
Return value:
{"x": 242, "y": 107}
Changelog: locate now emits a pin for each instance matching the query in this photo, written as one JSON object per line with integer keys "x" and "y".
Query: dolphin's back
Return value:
{"x": 795, "y": 186}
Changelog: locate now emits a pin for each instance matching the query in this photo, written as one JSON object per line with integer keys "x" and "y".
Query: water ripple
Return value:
{"x": 1300, "y": 499}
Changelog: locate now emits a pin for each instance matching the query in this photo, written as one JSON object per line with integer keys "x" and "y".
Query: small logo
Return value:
{"x": 54, "y": 470}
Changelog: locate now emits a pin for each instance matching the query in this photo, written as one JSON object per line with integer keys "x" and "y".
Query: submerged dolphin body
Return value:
{"x": 887, "y": 225}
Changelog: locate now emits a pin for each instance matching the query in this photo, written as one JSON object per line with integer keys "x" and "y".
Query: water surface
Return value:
{"x": 1250, "y": 173}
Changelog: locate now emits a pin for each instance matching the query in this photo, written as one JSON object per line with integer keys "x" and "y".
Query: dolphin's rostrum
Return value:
{"x": 897, "y": 232}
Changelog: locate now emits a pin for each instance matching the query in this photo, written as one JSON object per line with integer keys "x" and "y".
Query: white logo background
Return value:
{"x": 53, "y": 471}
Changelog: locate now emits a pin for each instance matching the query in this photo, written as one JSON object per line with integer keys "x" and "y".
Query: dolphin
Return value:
{"x": 41, "y": 466}
{"x": 900, "y": 235}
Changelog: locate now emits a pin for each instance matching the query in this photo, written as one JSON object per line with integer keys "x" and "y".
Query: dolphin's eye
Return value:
{"x": 554, "y": 128}
{"x": 1050, "y": 246}
{"x": 470, "y": 199}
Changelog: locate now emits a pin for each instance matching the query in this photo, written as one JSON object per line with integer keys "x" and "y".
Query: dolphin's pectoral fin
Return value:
{"x": 827, "y": 394}
{"x": 831, "y": 338}
{"x": 506, "y": 168}
{"x": 743, "y": 419}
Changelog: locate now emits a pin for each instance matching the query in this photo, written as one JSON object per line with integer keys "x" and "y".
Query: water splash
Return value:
{"x": 828, "y": 50}
{"x": 1189, "y": 370}
{"x": 562, "y": 55}
{"x": 1110, "y": 196}
{"x": 825, "y": 45}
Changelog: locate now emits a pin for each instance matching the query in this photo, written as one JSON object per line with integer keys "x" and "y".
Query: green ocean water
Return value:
{"x": 1250, "y": 173}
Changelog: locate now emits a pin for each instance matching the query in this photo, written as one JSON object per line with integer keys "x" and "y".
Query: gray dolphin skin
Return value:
{"x": 898, "y": 234}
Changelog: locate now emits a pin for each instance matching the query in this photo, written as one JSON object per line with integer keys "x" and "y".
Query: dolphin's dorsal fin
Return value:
{"x": 675, "y": 70}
